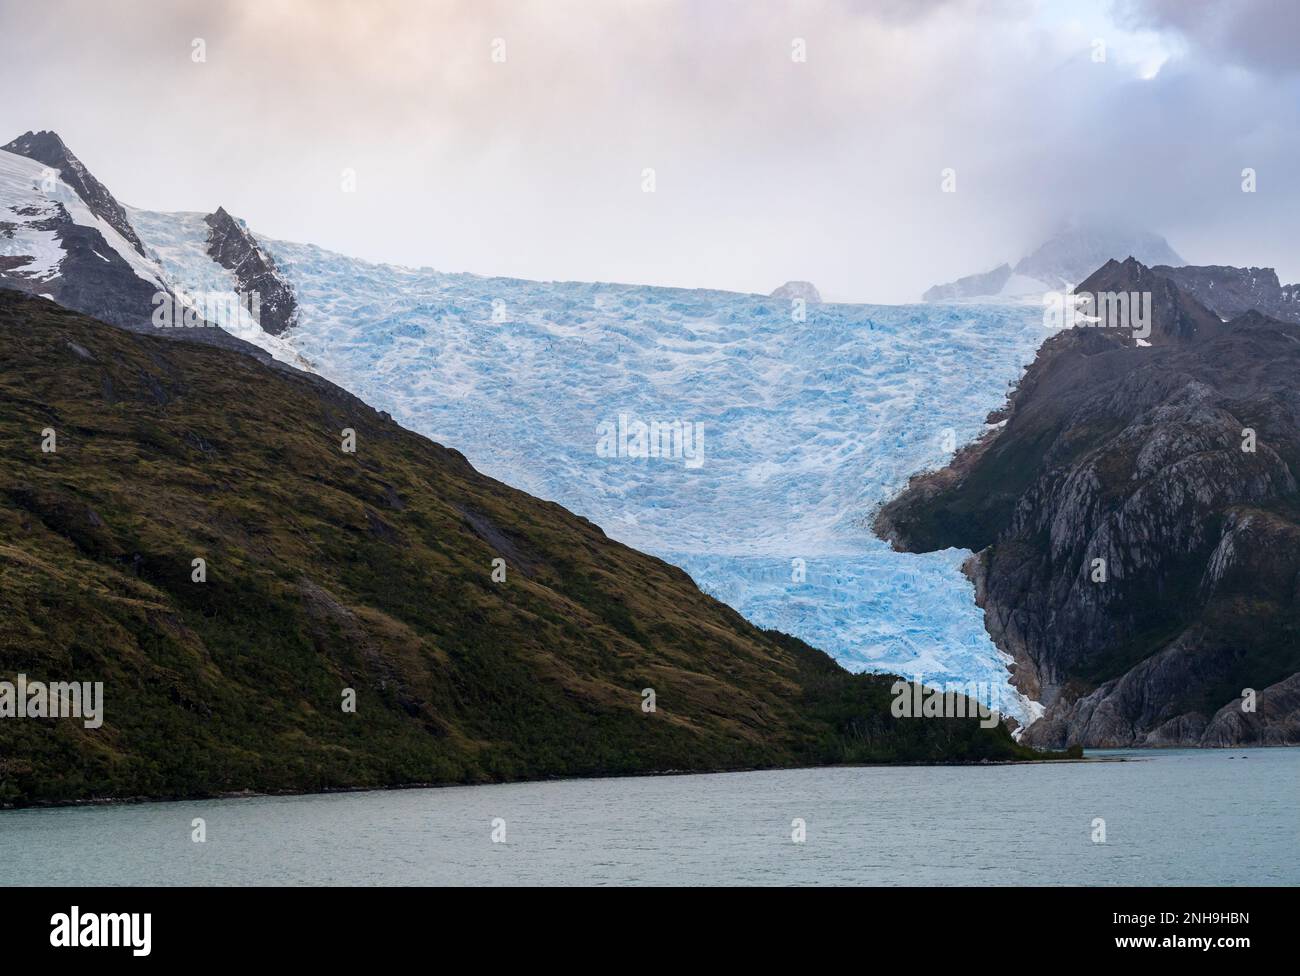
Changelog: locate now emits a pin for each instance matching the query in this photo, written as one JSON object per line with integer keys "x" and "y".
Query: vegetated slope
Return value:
{"x": 1175, "y": 464}
{"x": 370, "y": 571}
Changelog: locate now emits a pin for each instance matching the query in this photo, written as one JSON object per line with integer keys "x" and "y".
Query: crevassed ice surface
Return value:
{"x": 806, "y": 427}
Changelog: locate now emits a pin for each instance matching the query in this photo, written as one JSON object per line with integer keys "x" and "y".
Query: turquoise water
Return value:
{"x": 1171, "y": 817}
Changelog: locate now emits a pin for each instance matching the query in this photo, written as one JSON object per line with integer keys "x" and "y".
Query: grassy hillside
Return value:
{"x": 372, "y": 571}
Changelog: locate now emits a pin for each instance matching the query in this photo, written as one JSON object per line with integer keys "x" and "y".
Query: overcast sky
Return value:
{"x": 766, "y": 168}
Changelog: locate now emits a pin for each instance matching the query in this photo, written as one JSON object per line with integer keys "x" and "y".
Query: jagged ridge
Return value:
{"x": 234, "y": 248}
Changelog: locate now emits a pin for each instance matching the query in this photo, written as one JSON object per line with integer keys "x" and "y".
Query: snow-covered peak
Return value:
{"x": 1066, "y": 258}
{"x": 51, "y": 151}
{"x": 1076, "y": 252}
{"x": 63, "y": 236}
{"x": 39, "y": 216}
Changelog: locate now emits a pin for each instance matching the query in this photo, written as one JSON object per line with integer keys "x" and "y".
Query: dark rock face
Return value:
{"x": 234, "y": 248}
{"x": 1275, "y": 721}
{"x": 48, "y": 148}
{"x": 1177, "y": 317}
{"x": 972, "y": 286}
{"x": 1141, "y": 458}
{"x": 1230, "y": 291}
{"x": 94, "y": 279}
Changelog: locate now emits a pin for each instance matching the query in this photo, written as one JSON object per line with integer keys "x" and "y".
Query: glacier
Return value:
{"x": 806, "y": 425}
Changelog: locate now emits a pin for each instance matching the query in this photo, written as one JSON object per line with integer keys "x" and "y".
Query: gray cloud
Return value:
{"x": 766, "y": 169}
{"x": 1256, "y": 34}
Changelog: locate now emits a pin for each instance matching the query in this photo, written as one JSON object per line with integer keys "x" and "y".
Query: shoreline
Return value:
{"x": 263, "y": 794}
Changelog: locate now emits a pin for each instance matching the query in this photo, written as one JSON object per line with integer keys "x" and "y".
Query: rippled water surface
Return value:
{"x": 1171, "y": 817}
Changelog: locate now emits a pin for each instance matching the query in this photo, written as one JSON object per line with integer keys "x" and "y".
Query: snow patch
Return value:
{"x": 25, "y": 199}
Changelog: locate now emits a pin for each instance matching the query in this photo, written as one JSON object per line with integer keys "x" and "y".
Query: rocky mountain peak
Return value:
{"x": 34, "y": 145}
{"x": 1065, "y": 258}
{"x": 1176, "y": 317}
{"x": 49, "y": 149}
{"x": 234, "y": 247}
{"x": 1229, "y": 291}
{"x": 221, "y": 218}
{"x": 1074, "y": 251}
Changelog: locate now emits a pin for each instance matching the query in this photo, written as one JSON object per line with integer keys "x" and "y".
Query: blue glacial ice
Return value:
{"x": 807, "y": 426}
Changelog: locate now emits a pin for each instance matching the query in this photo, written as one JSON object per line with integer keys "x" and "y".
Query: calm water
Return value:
{"x": 1178, "y": 817}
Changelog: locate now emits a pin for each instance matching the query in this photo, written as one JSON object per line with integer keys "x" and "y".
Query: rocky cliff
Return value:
{"x": 1135, "y": 526}
{"x": 233, "y": 247}
{"x": 1229, "y": 291}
